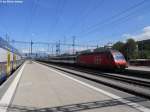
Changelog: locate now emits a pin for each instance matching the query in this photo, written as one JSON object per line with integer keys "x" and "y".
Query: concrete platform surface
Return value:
{"x": 43, "y": 89}
{"x": 139, "y": 68}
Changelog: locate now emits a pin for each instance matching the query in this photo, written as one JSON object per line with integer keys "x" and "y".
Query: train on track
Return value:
{"x": 10, "y": 60}
{"x": 105, "y": 59}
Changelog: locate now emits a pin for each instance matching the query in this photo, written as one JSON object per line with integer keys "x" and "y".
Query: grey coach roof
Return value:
{"x": 5, "y": 45}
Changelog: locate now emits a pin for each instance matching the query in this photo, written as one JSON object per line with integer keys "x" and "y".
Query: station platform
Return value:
{"x": 139, "y": 68}
{"x": 43, "y": 89}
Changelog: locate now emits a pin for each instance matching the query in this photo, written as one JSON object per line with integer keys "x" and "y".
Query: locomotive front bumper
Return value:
{"x": 121, "y": 65}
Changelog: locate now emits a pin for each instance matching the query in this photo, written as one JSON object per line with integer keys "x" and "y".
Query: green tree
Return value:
{"x": 119, "y": 46}
{"x": 130, "y": 49}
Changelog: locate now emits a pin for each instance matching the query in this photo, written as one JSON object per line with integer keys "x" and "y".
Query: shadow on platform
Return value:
{"x": 75, "y": 107}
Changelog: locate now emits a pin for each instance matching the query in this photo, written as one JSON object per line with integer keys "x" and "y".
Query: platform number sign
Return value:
{"x": 97, "y": 60}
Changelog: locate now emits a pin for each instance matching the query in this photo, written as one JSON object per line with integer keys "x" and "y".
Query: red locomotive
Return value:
{"x": 106, "y": 59}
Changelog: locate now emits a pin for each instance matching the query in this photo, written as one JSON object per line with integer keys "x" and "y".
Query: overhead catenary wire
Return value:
{"x": 126, "y": 19}
{"x": 32, "y": 14}
{"x": 87, "y": 12}
{"x": 103, "y": 22}
{"x": 85, "y": 15}
{"x": 59, "y": 12}
{"x": 117, "y": 20}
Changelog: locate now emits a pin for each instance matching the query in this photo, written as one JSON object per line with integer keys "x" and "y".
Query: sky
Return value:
{"x": 89, "y": 21}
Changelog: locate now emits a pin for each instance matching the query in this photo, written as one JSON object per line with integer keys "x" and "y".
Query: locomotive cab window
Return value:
{"x": 119, "y": 56}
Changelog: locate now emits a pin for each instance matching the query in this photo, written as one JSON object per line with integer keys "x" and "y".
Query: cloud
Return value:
{"x": 144, "y": 35}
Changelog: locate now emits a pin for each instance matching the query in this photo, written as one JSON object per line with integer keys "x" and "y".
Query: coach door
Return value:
{"x": 8, "y": 63}
{"x": 14, "y": 61}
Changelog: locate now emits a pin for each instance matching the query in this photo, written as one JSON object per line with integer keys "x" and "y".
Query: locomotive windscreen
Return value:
{"x": 118, "y": 56}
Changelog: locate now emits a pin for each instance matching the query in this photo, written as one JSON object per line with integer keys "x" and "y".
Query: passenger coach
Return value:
{"x": 10, "y": 59}
{"x": 105, "y": 59}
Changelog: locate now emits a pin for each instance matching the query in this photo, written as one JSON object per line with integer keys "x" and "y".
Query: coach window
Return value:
{"x": 98, "y": 60}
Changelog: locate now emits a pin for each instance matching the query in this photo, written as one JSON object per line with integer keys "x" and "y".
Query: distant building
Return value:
{"x": 144, "y": 48}
{"x": 143, "y": 44}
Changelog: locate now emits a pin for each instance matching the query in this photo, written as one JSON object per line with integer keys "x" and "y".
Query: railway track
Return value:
{"x": 129, "y": 73}
{"x": 145, "y": 75}
{"x": 122, "y": 78}
{"x": 135, "y": 80}
{"x": 133, "y": 85}
{"x": 129, "y": 79}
